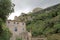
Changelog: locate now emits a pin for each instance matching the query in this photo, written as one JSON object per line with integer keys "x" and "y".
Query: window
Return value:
{"x": 27, "y": 38}
{"x": 14, "y": 22}
{"x": 22, "y": 23}
{"x": 17, "y": 23}
{"x": 23, "y": 28}
{"x": 8, "y": 22}
{"x": 15, "y": 29}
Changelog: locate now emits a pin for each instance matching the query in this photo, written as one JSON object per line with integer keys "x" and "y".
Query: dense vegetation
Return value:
{"x": 43, "y": 22}
{"x": 6, "y": 7}
{"x": 46, "y": 21}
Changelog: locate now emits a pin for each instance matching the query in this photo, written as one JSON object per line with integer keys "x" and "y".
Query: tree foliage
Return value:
{"x": 6, "y": 7}
{"x": 46, "y": 21}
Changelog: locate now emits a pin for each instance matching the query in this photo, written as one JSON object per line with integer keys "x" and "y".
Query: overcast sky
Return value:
{"x": 28, "y": 5}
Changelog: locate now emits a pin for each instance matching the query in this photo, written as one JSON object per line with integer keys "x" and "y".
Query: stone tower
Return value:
{"x": 18, "y": 29}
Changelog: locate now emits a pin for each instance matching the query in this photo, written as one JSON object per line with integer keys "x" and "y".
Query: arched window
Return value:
{"x": 8, "y": 22}
{"x": 15, "y": 29}
{"x": 14, "y": 22}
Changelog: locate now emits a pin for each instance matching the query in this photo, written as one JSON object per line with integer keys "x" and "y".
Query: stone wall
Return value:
{"x": 39, "y": 38}
{"x": 16, "y": 28}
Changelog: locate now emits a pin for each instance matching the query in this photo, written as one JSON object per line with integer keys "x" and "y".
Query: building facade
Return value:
{"x": 18, "y": 29}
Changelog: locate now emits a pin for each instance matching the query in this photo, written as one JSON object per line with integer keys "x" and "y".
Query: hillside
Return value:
{"x": 43, "y": 22}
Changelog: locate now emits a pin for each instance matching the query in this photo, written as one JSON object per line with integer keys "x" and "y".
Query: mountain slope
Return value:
{"x": 43, "y": 22}
{"x": 46, "y": 21}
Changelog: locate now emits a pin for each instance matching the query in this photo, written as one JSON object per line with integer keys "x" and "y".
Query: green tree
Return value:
{"x": 6, "y": 7}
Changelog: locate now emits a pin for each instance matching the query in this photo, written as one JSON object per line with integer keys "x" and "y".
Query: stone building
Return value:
{"x": 18, "y": 29}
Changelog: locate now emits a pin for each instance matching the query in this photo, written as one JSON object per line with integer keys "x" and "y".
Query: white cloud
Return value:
{"x": 28, "y": 5}
{"x": 18, "y": 13}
